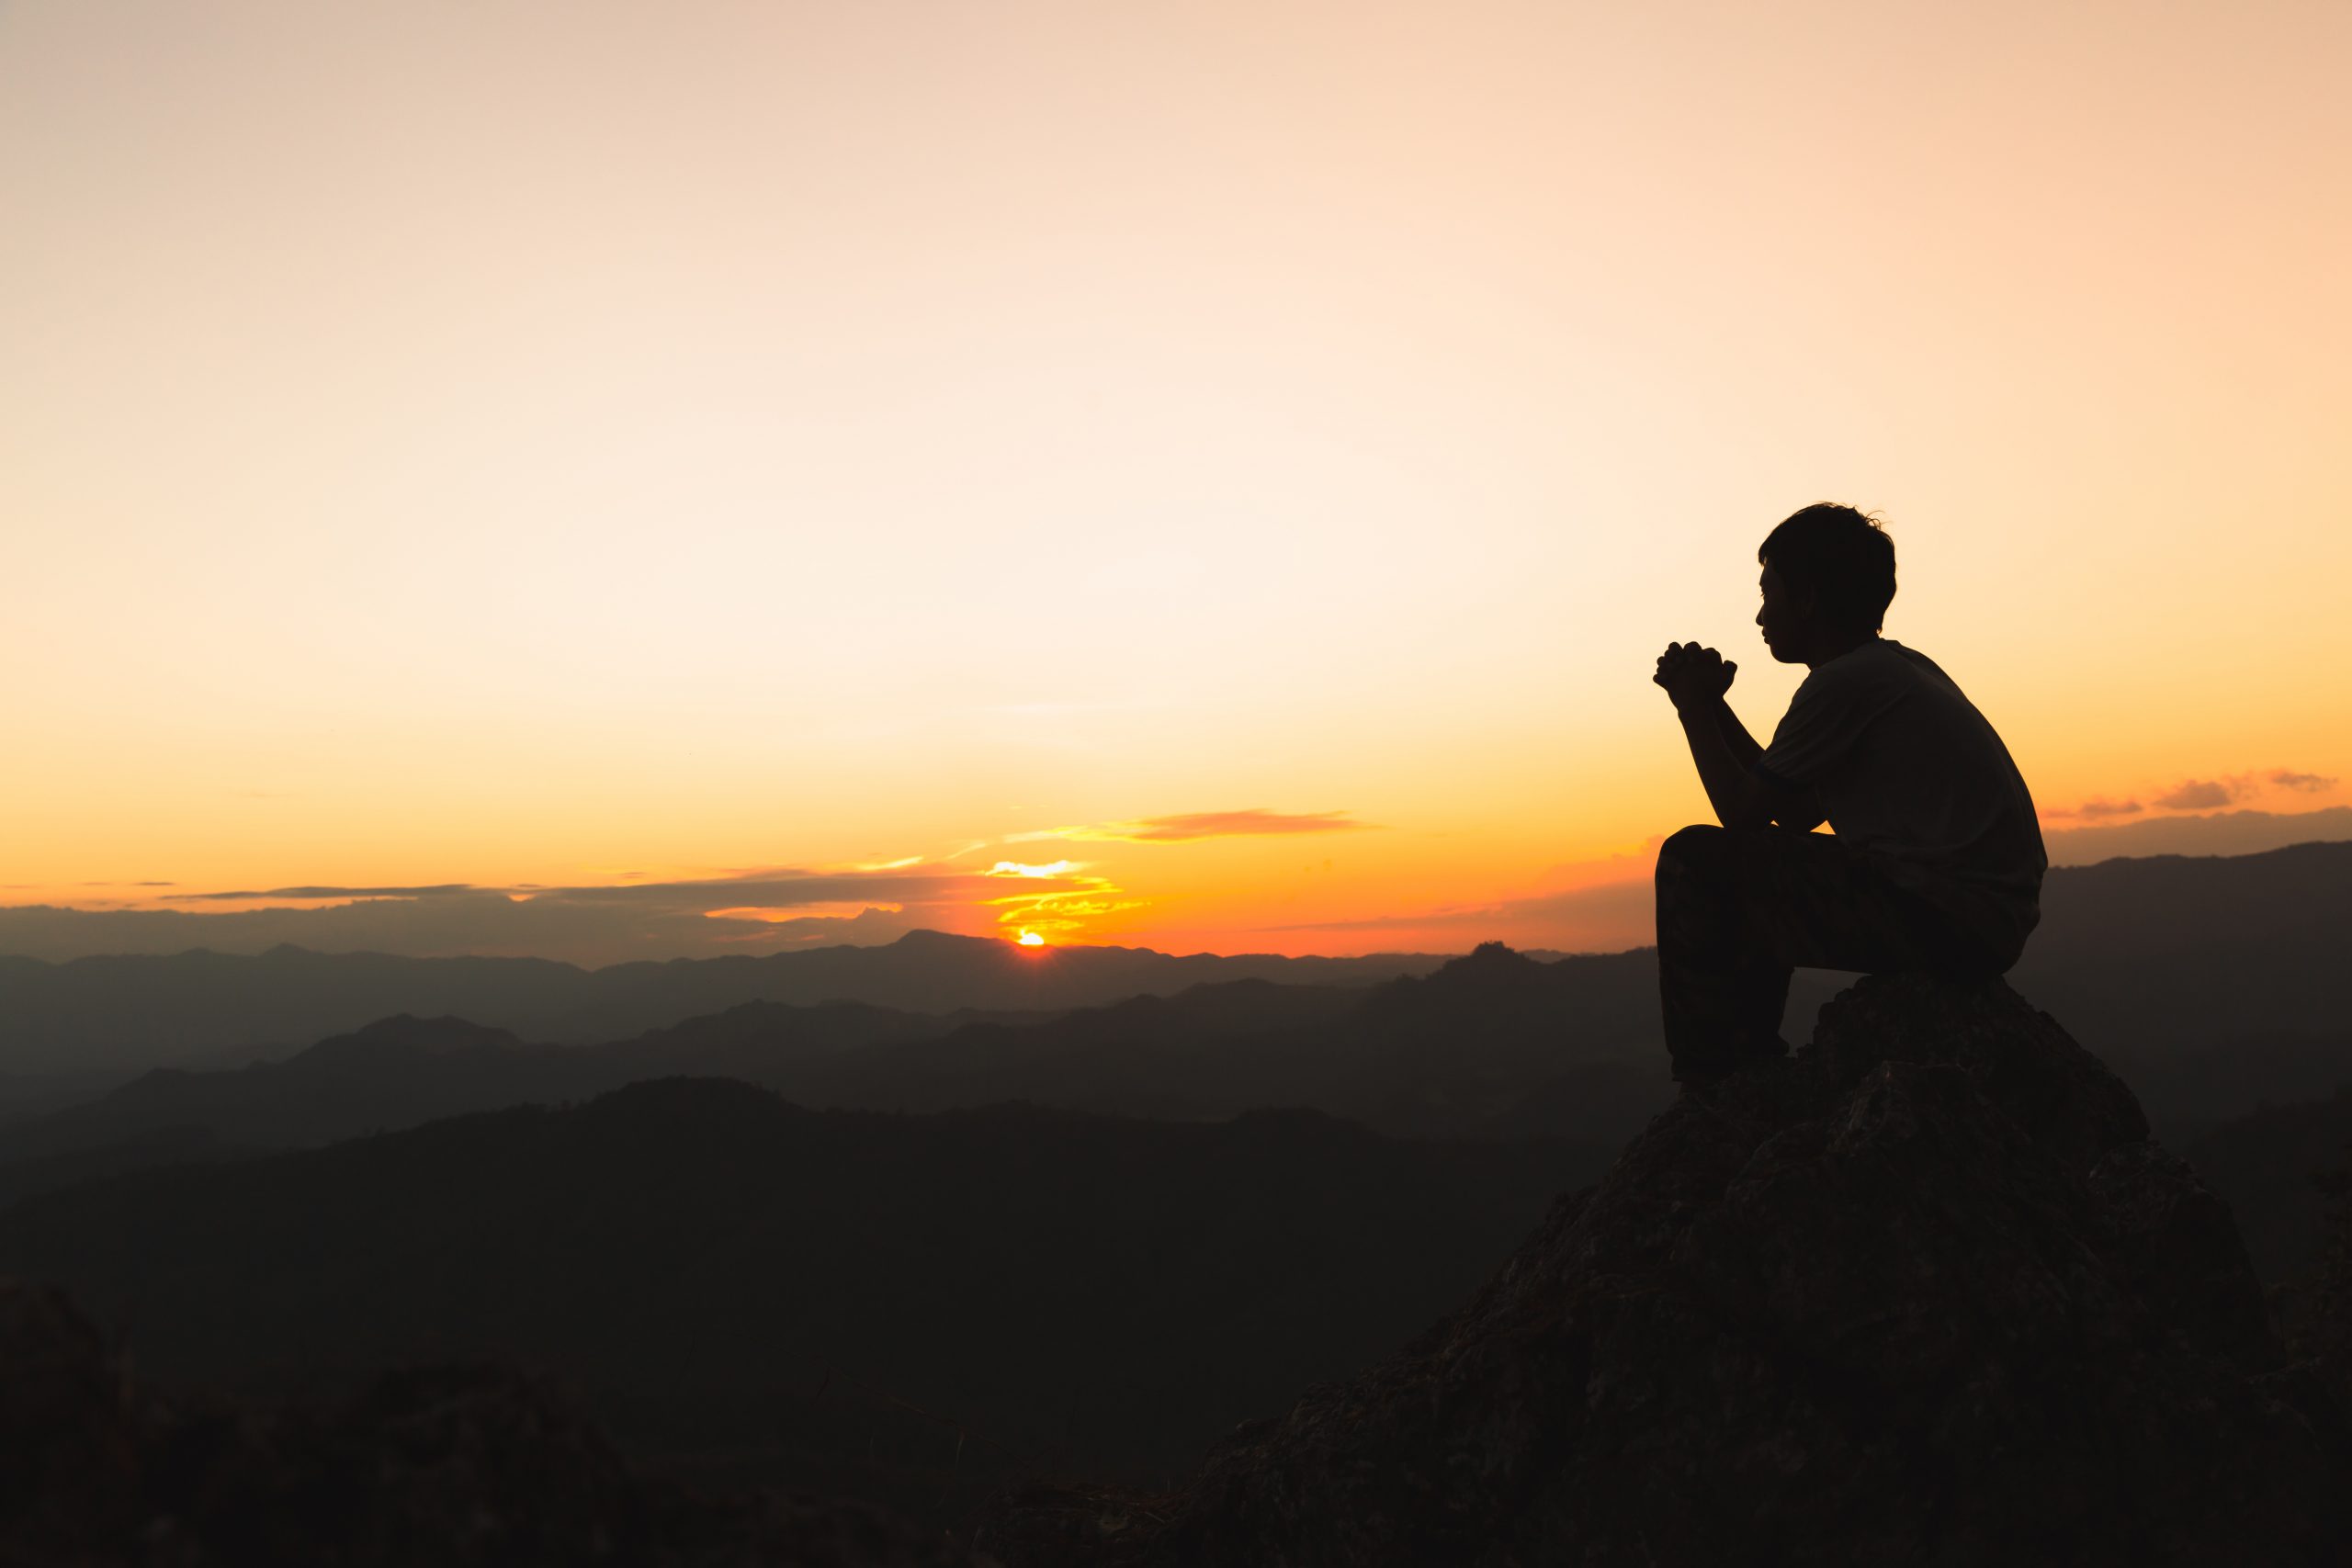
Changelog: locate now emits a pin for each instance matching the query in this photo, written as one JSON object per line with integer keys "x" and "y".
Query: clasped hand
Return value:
{"x": 1690, "y": 673}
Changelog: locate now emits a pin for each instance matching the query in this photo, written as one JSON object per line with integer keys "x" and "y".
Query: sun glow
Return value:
{"x": 1031, "y": 939}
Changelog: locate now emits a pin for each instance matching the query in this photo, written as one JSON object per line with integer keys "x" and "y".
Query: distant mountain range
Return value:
{"x": 1494, "y": 1045}
{"x": 2214, "y": 985}
{"x": 132, "y": 1013}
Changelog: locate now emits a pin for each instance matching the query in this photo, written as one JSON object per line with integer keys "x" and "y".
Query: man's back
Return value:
{"x": 1908, "y": 772}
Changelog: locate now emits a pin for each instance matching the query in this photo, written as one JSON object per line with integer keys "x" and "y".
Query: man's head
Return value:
{"x": 1828, "y": 577}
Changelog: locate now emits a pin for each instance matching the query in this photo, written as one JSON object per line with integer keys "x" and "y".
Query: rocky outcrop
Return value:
{"x": 1925, "y": 1293}
{"x": 464, "y": 1465}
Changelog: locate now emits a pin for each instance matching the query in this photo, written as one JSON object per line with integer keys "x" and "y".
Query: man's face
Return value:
{"x": 1785, "y": 615}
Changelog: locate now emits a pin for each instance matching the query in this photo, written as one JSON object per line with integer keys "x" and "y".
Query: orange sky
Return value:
{"x": 596, "y": 443}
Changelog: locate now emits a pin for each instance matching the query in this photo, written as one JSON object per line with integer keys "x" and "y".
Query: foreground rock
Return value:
{"x": 448, "y": 1466}
{"x": 1925, "y": 1294}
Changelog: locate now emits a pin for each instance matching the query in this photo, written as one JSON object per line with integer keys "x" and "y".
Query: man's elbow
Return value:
{"x": 1763, "y": 800}
{"x": 1751, "y": 808}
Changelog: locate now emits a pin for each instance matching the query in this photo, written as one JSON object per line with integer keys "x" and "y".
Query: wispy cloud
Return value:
{"x": 313, "y": 894}
{"x": 2200, "y": 794}
{"x": 879, "y": 924}
{"x": 2094, "y": 810}
{"x": 776, "y": 888}
{"x": 1186, "y": 827}
{"x": 2309, "y": 783}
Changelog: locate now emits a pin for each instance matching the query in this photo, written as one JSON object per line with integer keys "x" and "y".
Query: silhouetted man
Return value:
{"x": 1936, "y": 860}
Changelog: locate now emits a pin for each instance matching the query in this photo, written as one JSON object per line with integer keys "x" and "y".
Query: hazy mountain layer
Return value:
{"x": 1493, "y": 1045}
{"x": 400, "y": 1072}
{"x": 133, "y": 1013}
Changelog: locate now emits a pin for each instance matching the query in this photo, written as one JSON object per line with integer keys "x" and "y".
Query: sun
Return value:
{"x": 1031, "y": 939}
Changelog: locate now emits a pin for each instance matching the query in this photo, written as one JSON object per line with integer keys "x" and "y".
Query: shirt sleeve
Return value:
{"x": 1827, "y": 717}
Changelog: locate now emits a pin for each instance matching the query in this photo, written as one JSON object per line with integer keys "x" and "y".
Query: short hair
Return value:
{"x": 1843, "y": 557}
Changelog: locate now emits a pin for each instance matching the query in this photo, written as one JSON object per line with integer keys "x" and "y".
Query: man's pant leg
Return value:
{"x": 1739, "y": 909}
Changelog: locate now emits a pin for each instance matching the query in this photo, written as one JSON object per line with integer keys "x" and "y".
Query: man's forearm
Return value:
{"x": 1723, "y": 751}
{"x": 1742, "y": 745}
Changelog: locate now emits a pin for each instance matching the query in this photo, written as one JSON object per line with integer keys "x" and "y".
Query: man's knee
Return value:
{"x": 1701, "y": 847}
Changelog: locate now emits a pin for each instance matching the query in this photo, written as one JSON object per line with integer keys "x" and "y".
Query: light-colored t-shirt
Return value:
{"x": 1908, "y": 772}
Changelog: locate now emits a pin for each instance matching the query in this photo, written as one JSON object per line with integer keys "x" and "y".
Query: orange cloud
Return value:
{"x": 2310, "y": 783}
{"x": 775, "y": 916}
{"x": 1183, "y": 827}
{"x": 2200, "y": 795}
{"x": 2097, "y": 808}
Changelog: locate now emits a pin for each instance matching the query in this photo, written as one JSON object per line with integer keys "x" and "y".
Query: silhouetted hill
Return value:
{"x": 722, "y": 1272}
{"x": 130, "y": 1014}
{"x": 1926, "y": 1292}
{"x": 394, "y": 1073}
{"x": 2168, "y": 904}
{"x": 399, "y": 1072}
{"x": 2211, "y": 983}
{"x": 115, "y": 1153}
{"x": 2267, "y": 1165}
{"x": 1456, "y": 1054}
{"x": 450, "y": 1465}
{"x": 22, "y": 1096}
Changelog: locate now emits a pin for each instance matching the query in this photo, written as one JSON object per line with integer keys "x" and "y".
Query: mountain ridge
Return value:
{"x": 2150, "y": 957}
{"x": 130, "y": 1012}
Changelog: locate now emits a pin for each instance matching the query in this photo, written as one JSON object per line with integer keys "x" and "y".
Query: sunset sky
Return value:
{"x": 1211, "y": 475}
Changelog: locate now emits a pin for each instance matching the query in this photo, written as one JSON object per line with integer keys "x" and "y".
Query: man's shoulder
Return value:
{"x": 1880, "y": 662}
{"x": 1909, "y": 655}
{"x": 1885, "y": 660}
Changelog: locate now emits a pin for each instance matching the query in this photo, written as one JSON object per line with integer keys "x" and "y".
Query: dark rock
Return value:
{"x": 2315, "y": 1311}
{"x": 2054, "y": 1091}
{"x": 68, "y": 1440}
{"x": 463, "y": 1465}
{"x": 1923, "y": 1293}
{"x": 2179, "y": 1247}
